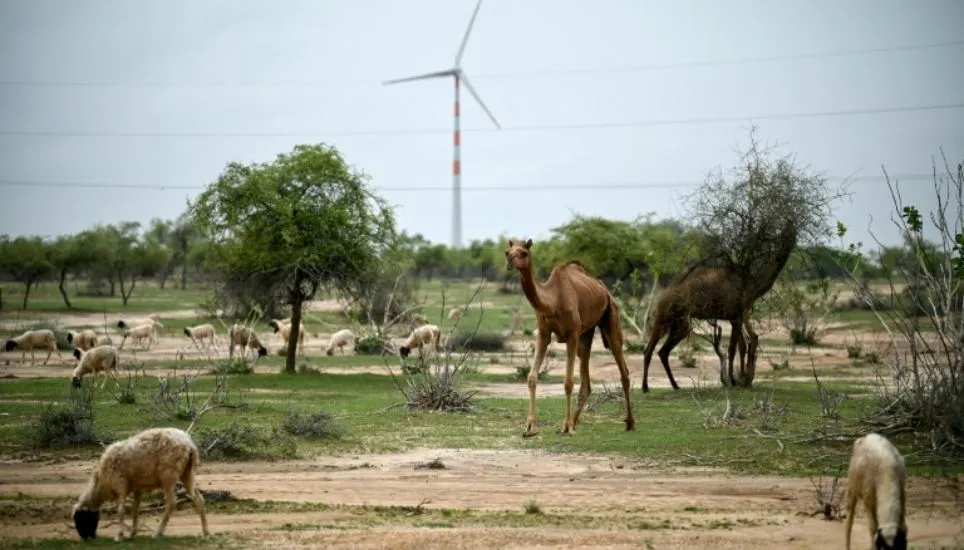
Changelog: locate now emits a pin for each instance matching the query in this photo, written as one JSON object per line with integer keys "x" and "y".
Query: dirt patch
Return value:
{"x": 668, "y": 508}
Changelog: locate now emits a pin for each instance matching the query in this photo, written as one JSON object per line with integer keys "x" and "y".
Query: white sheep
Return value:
{"x": 243, "y": 336}
{"x": 420, "y": 318}
{"x": 104, "y": 340}
{"x": 152, "y": 320}
{"x": 340, "y": 339}
{"x": 285, "y": 330}
{"x": 456, "y": 312}
{"x": 35, "y": 339}
{"x": 84, "y": 339}
{"x": 425, "y": 334}
{"x": 200, "y": 333}
{"x": 156, "y": 458}
{"x": 877, "y": 478}
{"x": 276, "y": 323}
{"x": 138, "y": 333}
{"x": 99, "y": 359}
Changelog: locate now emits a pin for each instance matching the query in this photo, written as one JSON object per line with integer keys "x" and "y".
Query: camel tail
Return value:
{"x": 609, "y": 317}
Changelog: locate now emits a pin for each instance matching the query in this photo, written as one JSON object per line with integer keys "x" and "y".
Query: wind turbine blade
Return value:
{"x": 465, "y": 39}
{"x": 426, "y": 76}
{"x": 468, "y": 86}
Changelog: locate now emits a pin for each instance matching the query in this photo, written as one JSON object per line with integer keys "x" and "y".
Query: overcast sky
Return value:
{"x": 311, "y": 70}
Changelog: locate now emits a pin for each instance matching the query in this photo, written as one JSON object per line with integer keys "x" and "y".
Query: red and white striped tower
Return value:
{"x": 457, "y": 175}
{"x": 460, "y": 79}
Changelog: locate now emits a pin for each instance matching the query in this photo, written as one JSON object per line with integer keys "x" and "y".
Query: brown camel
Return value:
{"x": 710, "y": 293}
{"x": 570, "y": 304}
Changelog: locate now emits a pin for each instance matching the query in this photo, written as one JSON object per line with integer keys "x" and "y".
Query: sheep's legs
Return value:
{"x": 136, "y": 505}
{"x": 169, "y": 502}
{"x": 197, "y": 500}
{"x": 121, "y": 498}
{"x": 848, "y": 525}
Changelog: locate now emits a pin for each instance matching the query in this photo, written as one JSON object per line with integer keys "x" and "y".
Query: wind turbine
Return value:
{"x": 459, "y": 76}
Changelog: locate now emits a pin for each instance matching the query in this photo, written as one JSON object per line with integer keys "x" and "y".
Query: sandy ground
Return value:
{"x": 654, "y": 507}
{"x": 701, "y": 508}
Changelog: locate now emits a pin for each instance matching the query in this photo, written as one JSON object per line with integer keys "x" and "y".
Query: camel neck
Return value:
{"x": 532, "y": 290}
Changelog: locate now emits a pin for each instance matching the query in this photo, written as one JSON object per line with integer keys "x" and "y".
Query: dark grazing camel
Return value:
{"x": 716, "y": 292}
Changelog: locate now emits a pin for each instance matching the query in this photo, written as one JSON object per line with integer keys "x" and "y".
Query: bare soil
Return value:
{"x": 636, "y": 505}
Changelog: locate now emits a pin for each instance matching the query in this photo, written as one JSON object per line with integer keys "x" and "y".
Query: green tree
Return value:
{"x": 132, "y": 256}
{"x": 71, "y": 253}
{"x": 27, "y": 260}
{"x": 303, "y": 221}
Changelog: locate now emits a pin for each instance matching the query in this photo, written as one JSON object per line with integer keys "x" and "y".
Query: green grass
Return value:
{"x": 670, "y": 428}
{"x": 147, "y": 298}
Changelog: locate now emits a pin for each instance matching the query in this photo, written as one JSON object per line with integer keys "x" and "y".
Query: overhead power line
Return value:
{"x": 511, "y": 74}
{"x": 532, "y": 128}
{"x": 501, "y": 188}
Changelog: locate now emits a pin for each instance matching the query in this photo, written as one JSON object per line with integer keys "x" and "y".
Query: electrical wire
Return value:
{"x": 498, "y": 75}
{"x": 499, "y": 188}
{"x": 532, "y": 128}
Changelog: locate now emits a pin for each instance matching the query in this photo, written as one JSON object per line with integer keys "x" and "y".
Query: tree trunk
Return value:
{"x": 745, "y": 380}
{"x": 126, "y": 293}
{"x": 296, "y": 302}
{"x": 26, "y": 294}
{"x": 184, "y": 274}
{"x": 111, "y": 282}
{"x": 63, "y": 291}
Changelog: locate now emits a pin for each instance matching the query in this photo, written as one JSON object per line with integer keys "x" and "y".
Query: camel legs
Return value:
{"x": 654, "y": 339}
{"x": 585, "y": 387}
{"x": 614, "y": 335}
{"x": 572, "y": 345}
{"x": 677, "y": 332}
{"x": 736, "y": 341}
{"x": 752, "y": 344}
{"x": 542, "y": 344}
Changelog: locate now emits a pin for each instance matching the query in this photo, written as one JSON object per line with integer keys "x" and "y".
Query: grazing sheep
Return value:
{"x": 276, "y": 323}
{"x": 155, "y": 458}
{"x": 104, "y": 340}
{"x": 877, "y": 478}
{"x": 420, "y": 318}
{"x": 285, "y": 330}
{"x": 422, "y": 335}
{"x": 240, "y": 335}
{"x": 200, "y": 333}
{"x": 456, "y": 312}
{"x": 35, "y": 339}
{"x": 138, "y": 333}
{"x": 149, "y": 320}
{"x": 100, "y": 359}
{"x": 340, "y": 339}
{"x": 84, "y": 339}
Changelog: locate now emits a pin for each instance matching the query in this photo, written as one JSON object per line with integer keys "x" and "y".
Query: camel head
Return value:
{"x": 518, "y": 256}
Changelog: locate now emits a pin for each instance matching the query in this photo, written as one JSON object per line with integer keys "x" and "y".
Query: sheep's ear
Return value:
{"x": 528, "y": 244}
{"x": 77, "y": 353}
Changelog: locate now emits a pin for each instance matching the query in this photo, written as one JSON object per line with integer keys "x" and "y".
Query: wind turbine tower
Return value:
{"x": 460, "y": 79}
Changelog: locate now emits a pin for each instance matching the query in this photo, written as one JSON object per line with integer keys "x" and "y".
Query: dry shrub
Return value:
{"x": 925, "y": 390}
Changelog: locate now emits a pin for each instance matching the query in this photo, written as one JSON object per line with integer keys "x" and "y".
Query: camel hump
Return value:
{"x": 576, "y": 263}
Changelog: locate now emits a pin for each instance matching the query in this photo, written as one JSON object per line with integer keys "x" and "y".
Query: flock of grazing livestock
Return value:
{"x": 159, "y": 458}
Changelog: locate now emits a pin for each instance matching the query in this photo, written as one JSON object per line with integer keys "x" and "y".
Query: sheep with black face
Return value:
{"x": 156, "y": 458}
